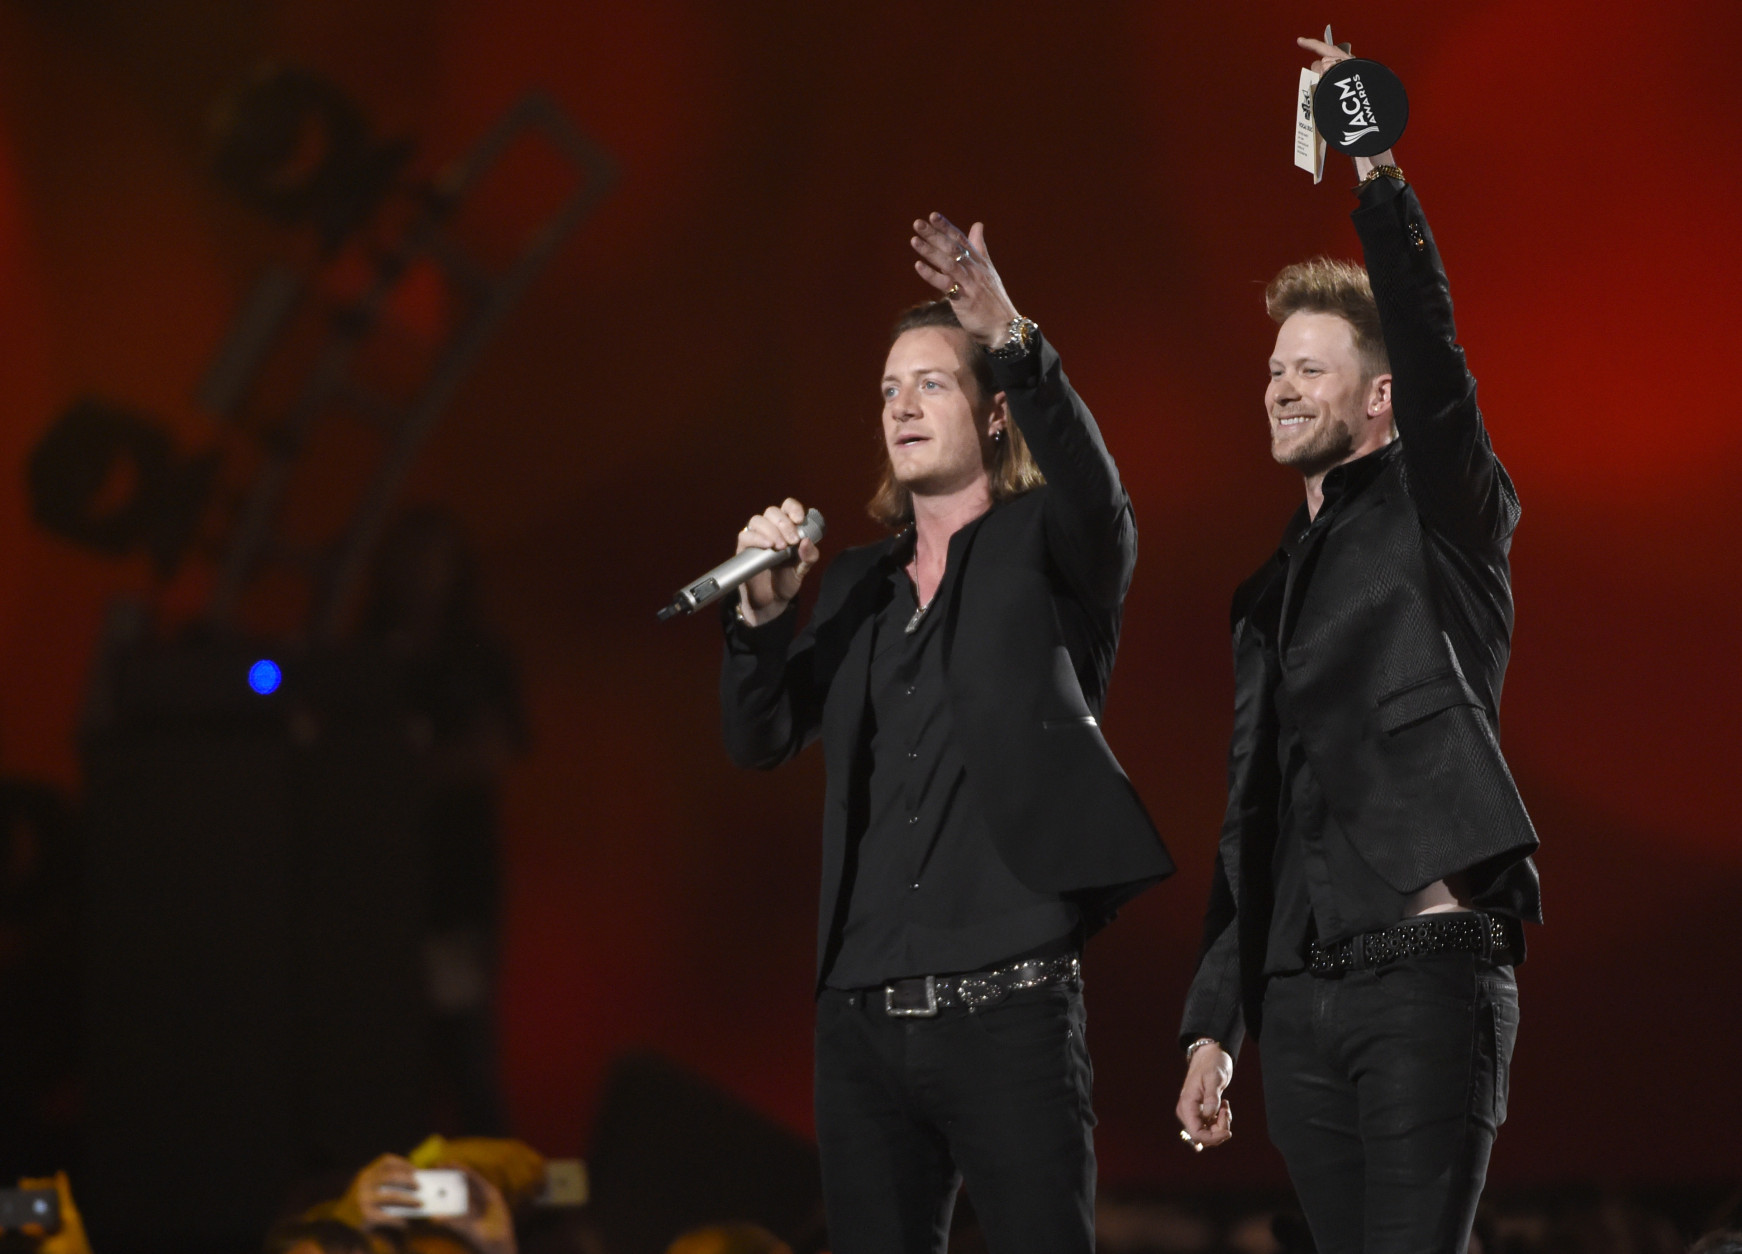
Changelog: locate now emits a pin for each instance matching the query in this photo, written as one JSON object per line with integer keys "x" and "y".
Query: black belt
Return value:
{"x": 1464, "y": 932}
{"x": 922, "y": 996}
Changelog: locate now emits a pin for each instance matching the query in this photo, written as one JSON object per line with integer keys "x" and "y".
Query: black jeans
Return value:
{"x": 907, "y": 1109}
{"x": 1383, "y": 1090}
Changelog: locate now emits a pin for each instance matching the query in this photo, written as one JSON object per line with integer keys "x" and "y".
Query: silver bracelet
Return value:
{"x": 1198, "y": 1044}
{"x": 1019, "y": 341}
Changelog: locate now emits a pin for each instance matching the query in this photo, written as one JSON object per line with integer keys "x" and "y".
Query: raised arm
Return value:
{"x": 1454, "y": 478}
{"x": 1089, "y": 518}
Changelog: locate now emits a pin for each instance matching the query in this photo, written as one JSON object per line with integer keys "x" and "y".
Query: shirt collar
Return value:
{"x": 1340, "y": 484}
{"x": 1350, "y": 478}
{"x": 901, "y": 550}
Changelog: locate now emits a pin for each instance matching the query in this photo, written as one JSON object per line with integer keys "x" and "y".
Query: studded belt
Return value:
{"x": 1464, "y": 932}
{"x": 923, "y": 996}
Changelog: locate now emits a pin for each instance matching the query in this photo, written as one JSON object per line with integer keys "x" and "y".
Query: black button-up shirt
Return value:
{"x": 930, "y": 894}
{"x": 1324, "y": 889}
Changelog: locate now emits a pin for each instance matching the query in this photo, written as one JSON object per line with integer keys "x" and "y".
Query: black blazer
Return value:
{"x": 1393, "y": 657}
{"x": 1036, "y": 587}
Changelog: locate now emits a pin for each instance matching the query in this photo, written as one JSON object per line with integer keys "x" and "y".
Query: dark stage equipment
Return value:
{"x": 296, "y": 147}
{"x": 112, "y": 481}
{"x": 337, "y": 384}
{"x": 253, "y": 912}
{"x": 255, "y": 891}
{"x": 39, "y": 978}
{"x": 671, "y": 1152}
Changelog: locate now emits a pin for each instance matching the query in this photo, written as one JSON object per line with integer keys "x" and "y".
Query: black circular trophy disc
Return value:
{"x": 1360, "y": 107}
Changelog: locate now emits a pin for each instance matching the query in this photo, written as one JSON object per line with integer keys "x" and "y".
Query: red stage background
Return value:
{"x": 709, "y": 343}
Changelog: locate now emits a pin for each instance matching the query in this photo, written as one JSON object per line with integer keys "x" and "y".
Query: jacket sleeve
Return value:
{"x": 770, "y": 701}
{"x": 1213, "y": 1004}
{"x": 1454, "y": 478}
{"x": 1089, "y": 521}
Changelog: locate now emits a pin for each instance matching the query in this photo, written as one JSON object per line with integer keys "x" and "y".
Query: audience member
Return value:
{"x": 737, "y": 1238}
{"x": 1723, "y": 1241}
{"x": 69, "y": 1237}
{"x": 316, "y": 1236}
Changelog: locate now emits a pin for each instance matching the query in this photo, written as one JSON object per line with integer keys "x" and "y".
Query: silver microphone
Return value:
{"x": 735, "y": 570}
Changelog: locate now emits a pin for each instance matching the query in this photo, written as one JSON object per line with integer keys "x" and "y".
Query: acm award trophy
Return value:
{"x": 1356, "y": 106}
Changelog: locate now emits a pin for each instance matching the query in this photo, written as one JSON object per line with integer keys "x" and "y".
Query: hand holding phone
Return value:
{"x": 436, "y": 1193}
{"x": 35, "y": 1211}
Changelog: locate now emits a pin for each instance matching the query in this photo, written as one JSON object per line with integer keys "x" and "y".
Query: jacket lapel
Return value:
{"x": 1300, "y": 568}
{"x": 957, "y": 561}
{"x": 847, "y": 691}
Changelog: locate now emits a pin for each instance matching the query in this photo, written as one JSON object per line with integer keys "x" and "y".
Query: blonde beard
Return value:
{"x": 1329, "y": 446}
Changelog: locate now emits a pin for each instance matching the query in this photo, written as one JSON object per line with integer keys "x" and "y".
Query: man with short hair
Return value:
{"x": 1374, "y": 867}
{"x": 977, "y": 828}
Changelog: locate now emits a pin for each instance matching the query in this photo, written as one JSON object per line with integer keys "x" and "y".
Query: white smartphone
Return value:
{"x": 441, "y": 1194}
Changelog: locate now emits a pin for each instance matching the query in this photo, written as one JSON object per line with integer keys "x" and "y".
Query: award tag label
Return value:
{"x": 1360, "y": 107}
{"x": 1309, "y": 145}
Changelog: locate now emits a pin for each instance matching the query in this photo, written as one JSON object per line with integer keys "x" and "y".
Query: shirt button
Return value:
{"x": 914, "y": 886}
{"x": 912, "y": 819}
{"x": 912, "y": 756}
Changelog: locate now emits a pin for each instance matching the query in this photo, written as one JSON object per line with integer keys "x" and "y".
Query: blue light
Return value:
{"x": 264, "y": 676}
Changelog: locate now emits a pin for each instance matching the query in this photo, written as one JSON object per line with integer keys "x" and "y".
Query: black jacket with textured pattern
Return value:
{"x": 1393, "y": 657}
{"x": 1036, "y": 588}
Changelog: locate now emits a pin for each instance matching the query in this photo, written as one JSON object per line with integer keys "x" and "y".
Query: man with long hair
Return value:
{"x": 1374, "y": 868}
{"x": 977, "y": 828}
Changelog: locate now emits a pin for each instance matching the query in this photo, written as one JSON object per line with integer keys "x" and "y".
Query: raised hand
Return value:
{"x": 71, "y": 1238}
{"x": 766, "y": 596}
{"x": 387, "y": 1183}
{"x": 488, "y": 1224}
{"x": 957, "y": 265}
{"x": 1325, "y": 56}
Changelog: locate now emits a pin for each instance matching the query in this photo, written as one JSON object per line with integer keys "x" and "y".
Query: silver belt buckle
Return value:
{"x": 927, "y": 1011}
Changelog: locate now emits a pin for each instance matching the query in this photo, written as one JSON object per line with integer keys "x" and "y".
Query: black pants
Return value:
{"x": 1383, "y": 1090}
{"x": 907, "y": 1109}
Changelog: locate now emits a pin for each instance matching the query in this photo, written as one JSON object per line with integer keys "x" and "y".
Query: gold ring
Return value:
{"x": 954, "y": 293}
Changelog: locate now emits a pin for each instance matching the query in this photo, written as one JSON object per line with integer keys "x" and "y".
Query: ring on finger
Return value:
{"x": 955, "y": 292}
{"x": 964, "y": 255}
